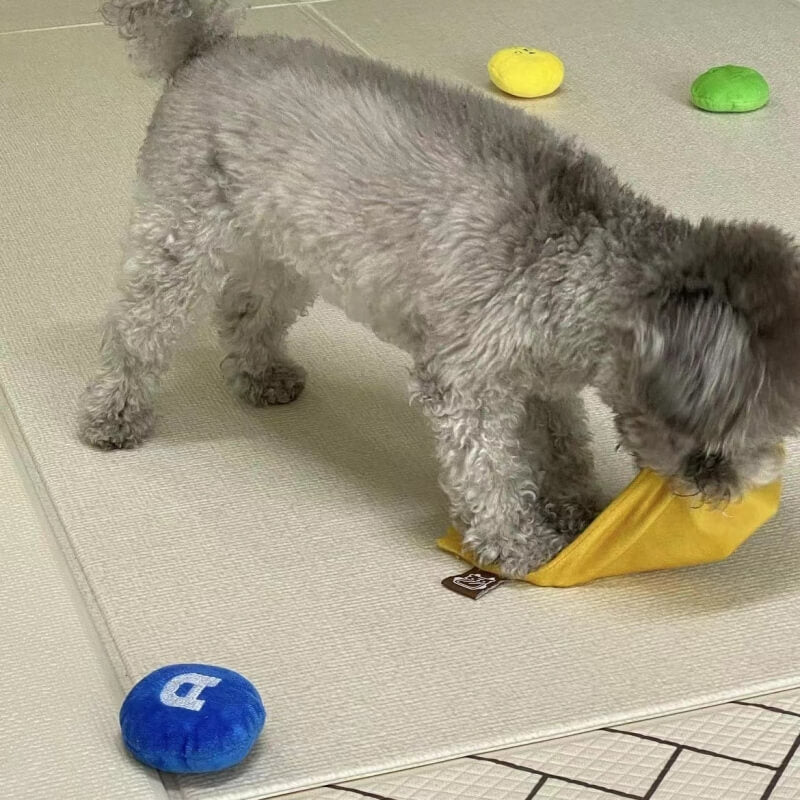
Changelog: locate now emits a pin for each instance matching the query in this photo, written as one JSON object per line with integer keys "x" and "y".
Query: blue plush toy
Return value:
{"x": 191, "y": 718}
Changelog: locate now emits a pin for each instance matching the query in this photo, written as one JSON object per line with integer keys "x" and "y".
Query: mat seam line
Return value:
{"x": 79, "y": 25}
{"x": 58, "y": 531}
{"x": 46, "y": 503}
{"x": 334, "y": 29}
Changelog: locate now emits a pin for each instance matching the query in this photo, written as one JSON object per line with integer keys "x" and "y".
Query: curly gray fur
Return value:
{"x": 510, "y": 263}
{"x": 165, "y": 34}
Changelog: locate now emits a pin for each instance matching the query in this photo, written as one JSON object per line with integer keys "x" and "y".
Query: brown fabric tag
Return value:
{"x": 474, "y": 583}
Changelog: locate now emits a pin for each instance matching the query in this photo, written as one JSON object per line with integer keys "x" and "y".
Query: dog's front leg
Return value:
{"x": 557, "y": 443}
{"x": 493, "y": 489}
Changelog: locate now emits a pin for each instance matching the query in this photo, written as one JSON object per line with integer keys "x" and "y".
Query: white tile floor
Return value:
{"x": 748, "y": 750}
{"x": 739, "y": 751}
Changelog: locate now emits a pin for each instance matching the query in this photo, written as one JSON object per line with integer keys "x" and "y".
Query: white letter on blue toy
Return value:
{"x": 191, "y": 699}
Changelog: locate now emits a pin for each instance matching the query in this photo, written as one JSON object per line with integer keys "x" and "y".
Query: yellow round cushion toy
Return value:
{"x": 525, "y": 72}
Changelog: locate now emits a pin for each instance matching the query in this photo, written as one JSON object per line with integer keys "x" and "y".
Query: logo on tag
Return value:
{"x": 473, "y": 583}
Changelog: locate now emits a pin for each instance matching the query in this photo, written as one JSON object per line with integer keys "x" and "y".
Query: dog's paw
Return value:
{"x": 113, "y": 416}
{"x": 515, "y": 552}
{"x": 569, "y": 517}
{"x": 280, "y": 383}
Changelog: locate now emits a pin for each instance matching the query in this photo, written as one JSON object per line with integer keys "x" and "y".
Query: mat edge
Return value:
{"x": 39, "y": 495}
{"x": 594, "y": 727}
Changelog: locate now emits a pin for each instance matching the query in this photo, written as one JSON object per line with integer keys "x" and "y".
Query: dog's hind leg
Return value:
{"x": 165, "y": 274}
{"x": 255, "y": 309}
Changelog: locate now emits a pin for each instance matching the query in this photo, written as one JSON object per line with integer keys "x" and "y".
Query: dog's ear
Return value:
{"x": 694, "y": 362}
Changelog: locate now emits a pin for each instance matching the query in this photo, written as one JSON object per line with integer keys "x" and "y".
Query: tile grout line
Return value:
{"x": 670, "y": 763}
{"x": 539, "y": 784}
{"x": 691, "y": 748}
{"x": 553, "y": 776}
{"x": 76, "y": 25}
{"x": 781, "y": 769}
{"x": 360, "y": 792}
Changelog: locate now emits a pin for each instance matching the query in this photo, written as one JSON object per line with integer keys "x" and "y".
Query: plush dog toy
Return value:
{"x": 525, "y": 72}
{"x": 191, "y": 718}
{"x": 648, "y": 527}
{"x": 730, "y": 89}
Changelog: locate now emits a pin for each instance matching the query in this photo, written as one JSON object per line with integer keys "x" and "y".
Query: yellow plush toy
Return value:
{"x": 525, "y": 72}
{"x": 649, "y": 527}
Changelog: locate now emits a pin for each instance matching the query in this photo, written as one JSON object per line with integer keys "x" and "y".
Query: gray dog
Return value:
{"x": 512, "y": 265}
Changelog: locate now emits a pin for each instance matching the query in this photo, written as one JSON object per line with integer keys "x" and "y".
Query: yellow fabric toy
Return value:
{"x": 525, "y": 72}
{"x": 645, "y": 528}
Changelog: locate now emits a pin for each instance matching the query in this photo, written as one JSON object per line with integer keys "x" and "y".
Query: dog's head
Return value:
{"x": 707, "y": 374}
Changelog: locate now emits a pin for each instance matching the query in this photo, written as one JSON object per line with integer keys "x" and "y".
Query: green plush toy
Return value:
{"x": 730, "y": 88}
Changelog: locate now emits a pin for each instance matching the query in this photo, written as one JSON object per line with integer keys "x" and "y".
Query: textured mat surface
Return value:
{"x": 297, "y": 544}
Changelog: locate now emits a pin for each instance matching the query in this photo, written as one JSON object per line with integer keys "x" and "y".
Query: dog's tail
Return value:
{"x": 166, "y": 34}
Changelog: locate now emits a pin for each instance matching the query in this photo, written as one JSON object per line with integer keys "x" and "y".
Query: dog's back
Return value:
{"x": 511, "y": 264}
